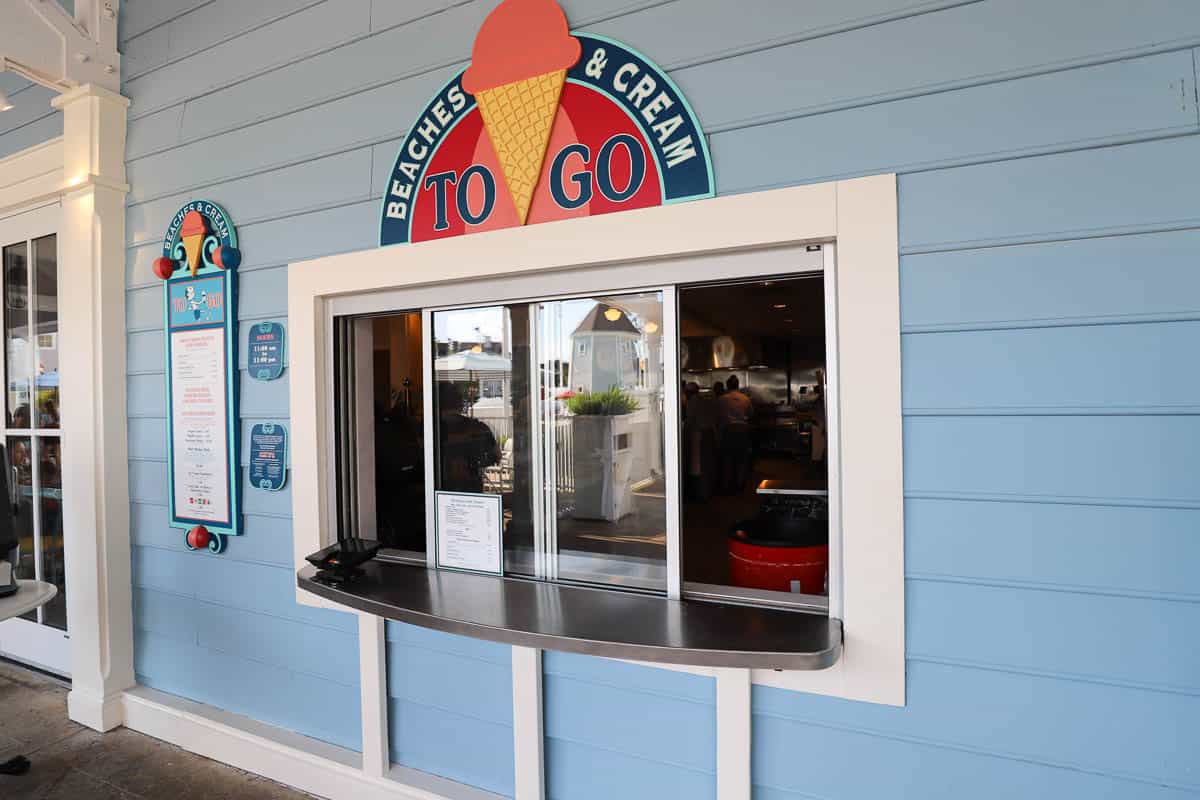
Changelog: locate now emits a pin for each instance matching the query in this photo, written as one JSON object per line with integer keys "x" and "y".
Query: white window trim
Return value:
{"x": 31, "y": 178}
{"x": 860, "y": 215}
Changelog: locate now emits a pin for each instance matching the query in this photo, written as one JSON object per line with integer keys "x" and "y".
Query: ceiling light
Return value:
{"x": 5, "y": 103}
{"x": 651, "y": 327}
{"x": 612, "y": 314}
{"x": 779, "y": 305}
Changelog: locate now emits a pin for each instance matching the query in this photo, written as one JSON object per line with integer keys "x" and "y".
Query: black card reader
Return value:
{"x": 338, "y": 563}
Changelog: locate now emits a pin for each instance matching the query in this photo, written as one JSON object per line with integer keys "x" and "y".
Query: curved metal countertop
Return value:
{"x": 597, "y": 622}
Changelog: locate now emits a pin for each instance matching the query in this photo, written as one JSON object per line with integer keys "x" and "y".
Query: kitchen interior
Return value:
{"x": 754, "y": 474}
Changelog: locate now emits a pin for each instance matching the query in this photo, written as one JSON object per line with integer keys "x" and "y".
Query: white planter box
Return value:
{"x": 603, "y": 462}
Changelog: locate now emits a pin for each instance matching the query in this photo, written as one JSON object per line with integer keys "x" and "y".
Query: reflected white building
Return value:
{"x": 604, "y": 351}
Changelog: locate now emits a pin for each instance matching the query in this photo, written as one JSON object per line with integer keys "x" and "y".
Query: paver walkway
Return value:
{"x": 71, "y": 761}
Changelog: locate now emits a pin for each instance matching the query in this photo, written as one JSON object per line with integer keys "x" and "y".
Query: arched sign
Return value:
{"x": 544, "y": 125}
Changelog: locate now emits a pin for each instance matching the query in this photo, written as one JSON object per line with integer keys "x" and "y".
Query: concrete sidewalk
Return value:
{"x": 70, "y": 761}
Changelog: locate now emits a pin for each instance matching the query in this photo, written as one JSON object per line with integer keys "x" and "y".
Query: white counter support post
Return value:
{"x": 734, "y": 724}
{"x": 372, "y": 656}
{"x": 528, "y": 738}
{"x": 95, "y": 477}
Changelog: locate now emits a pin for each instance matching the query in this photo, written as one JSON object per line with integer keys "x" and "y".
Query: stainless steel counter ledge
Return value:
{"x": 595, "y": 622}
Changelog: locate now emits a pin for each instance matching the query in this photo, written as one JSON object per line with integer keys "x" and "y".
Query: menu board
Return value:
{"x": 199, "y": 372}
{"x": 469, "y": 531}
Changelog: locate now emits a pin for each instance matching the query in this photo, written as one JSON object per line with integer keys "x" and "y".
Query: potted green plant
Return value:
{"x": 601, "y": 424}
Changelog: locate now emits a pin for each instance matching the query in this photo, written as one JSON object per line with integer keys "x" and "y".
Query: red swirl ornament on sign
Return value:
{"x": 544, "y": 125}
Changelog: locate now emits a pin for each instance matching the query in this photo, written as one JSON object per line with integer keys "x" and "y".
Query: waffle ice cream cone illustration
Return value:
{"x": 192, "y": 234}
{"x": 518, "y": 67}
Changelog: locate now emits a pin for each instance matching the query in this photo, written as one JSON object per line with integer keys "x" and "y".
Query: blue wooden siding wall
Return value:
{"x": 1050, "y": 226}
{"x": 450, "y": 706}
{"x": 31, "y": 120}
{"x": 620, "y": 730}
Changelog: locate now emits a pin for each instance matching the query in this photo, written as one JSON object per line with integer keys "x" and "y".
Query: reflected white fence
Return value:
{"x": 500, "y": 424}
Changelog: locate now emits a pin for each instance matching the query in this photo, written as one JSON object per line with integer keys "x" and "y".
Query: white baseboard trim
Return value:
{"x": 289, "y": 758}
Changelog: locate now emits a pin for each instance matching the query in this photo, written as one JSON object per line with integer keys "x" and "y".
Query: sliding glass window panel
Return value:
{"x": 45, "y": 321}
{"x": 18, "y": 353}
{"x": 483, "y": 425}
{"x": 754, "y": 439}
{"x": 50, "y": 500}
{"x": 600, "y": 370}
{"x": 397, "y": 430}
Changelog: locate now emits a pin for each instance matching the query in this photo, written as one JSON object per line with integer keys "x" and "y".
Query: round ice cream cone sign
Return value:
{"x": 545, "y": 124}
{"x": 200, "y": 239}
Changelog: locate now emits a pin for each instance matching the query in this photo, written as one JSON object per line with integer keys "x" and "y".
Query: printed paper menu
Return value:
{"x": 469, "y": 531}
{"x": 199, "y": 408}
{"x": 200, "y": 427}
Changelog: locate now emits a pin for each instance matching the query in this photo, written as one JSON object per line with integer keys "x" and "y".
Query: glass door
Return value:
{"x": 32, "y": 442}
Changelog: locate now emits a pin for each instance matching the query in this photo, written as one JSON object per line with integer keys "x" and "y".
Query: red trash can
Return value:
{"x": 759, "y": 560}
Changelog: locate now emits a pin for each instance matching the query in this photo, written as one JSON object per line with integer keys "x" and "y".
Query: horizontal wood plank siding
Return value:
{"x": 1049, "y": 223}
{"x": 616, "y": 730}
{"x": 450, "y": 706}
{"x": 31, "y": 120}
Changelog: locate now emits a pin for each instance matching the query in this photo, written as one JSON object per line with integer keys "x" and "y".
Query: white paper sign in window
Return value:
{"x": 469, "y": 532}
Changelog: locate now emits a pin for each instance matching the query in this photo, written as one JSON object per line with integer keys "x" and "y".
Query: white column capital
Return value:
{"x": 88, "y": 91}
{"x": 94, "y": 124}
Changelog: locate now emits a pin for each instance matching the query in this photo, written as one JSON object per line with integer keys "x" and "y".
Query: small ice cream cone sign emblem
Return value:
{"x": 192, "y": 235}
{"x": 518, "y": 68}
{"x": 201, "y": 239}
{"x": 545, "y": 124}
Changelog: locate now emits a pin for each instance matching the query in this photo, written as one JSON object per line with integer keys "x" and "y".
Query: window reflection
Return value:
{"x": 601, "y": 372}
{"x": 17, "y": 351}
{"x": 482, "y": 408}
{"x": 30, "y": 320}
{"x": 20, "y": 485}
{"x": 51, "y": 526}
{"x": 45, "y": 299}
{"x": 558, "y": 408}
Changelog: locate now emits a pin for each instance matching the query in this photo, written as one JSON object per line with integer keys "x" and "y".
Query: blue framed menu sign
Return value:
{"x": 268, "y": 456}
{"x": 265, "y": 351}
{"x": 197, "y": 267}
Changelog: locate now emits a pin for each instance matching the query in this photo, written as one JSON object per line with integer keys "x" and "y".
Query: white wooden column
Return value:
{"x": 95, "y": 475}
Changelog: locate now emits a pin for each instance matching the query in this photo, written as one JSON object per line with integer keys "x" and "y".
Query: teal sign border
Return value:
{"x": 221, "y": 234}
{"x": 274, "y": 369}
